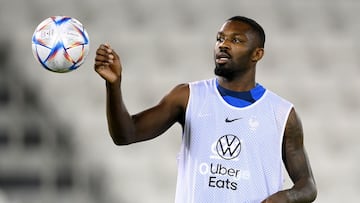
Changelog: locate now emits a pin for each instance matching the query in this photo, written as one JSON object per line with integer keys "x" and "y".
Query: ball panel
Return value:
{"x": 58, "y": 62}
{"x": 76, "y": 53}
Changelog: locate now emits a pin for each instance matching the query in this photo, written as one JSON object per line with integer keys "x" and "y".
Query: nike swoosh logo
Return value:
{"x": 227, "y": 120}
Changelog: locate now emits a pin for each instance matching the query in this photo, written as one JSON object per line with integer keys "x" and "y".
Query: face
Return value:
{"x": 234, "y": 49}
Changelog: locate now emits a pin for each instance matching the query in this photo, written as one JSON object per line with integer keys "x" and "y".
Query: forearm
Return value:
{"x": 297, "y": 162}
{"x": 120, "y": 123}
{"x": 303, "y": 191}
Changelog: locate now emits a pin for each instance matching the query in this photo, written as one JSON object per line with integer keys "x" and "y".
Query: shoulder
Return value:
{"x": 207, "y": 82}
{"x": 180, "y": 90}
{"x": 277, "y": 98}
{"x": 178, "y": 96}
{"x": 202, "y": 87}
{"x": 293, "y": 125}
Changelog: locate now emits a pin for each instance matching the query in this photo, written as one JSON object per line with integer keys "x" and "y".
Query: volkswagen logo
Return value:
{"x": 228, "y": 147}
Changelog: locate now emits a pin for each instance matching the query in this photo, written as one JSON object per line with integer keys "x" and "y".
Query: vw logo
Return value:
{"x": 228, "y": 147}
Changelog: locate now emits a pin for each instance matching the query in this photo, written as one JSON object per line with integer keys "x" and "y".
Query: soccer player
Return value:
{"x": 237, "y": 135}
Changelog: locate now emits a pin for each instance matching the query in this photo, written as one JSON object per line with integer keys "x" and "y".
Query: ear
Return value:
{"x": 257, "y": 55}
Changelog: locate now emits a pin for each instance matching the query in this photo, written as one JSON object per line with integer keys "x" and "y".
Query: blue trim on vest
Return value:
{"x": 241, "y": 99}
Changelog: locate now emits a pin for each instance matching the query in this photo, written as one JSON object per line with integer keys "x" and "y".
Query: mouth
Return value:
{"x": 222, "y": 57}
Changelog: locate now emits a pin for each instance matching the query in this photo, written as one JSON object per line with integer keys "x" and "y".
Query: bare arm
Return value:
{"x": 148, "y": 124}
{"x": 298, "y": 166}
{"x": 125, "y": 128}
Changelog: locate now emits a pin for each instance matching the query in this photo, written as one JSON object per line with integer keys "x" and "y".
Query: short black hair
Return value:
{"x": 256, "y": 27}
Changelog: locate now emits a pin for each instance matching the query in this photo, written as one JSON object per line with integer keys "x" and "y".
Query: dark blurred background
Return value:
{"x": 54, "y": 143}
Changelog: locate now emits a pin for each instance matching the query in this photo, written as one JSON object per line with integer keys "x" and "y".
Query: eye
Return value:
{"x": 236, "y": 40}
{"x": 220, "y": 39}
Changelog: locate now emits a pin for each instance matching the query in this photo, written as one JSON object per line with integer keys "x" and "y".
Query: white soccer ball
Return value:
{"x": 60, "y": 44}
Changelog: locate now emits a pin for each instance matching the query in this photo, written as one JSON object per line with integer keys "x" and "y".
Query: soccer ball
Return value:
{"x": 60, "y": 44}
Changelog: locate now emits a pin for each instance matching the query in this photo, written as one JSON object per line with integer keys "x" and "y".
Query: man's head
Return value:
{"x": 239, "y": 45}
{"x": 259, "y": 31}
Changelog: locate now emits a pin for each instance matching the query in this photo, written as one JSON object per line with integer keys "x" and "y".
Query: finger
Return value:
{"x": 108, "y": 53}
{"x": 103, "y": 58}
{"x": 102, "y": 63}
{"x": 106, "y": 47}
{"x": 102, "y": 51}
{"x": 116, "y": 56}
{"x": 104, "y": 54}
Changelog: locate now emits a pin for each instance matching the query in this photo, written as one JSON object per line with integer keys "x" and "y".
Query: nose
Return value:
{"x": 224, "y": 45}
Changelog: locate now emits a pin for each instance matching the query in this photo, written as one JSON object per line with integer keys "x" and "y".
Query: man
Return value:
{"x": 237, "y": 135}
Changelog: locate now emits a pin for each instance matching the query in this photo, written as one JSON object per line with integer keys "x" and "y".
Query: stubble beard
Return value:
{"x": 223, "y": 71}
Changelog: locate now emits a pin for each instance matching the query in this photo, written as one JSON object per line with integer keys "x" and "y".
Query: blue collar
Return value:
{"x": 241, "y": 99}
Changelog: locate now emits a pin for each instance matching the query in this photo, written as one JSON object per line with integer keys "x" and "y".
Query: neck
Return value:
{"x": 243, "y": 82}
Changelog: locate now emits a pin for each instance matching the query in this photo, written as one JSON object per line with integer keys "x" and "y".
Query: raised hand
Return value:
{"x": 107, "y": 64}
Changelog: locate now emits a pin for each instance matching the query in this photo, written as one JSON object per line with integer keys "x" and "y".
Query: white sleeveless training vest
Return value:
{"x": 230, "y": 154}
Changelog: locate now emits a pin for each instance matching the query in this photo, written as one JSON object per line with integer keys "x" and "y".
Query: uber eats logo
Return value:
{"x": 220, "y": 175}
